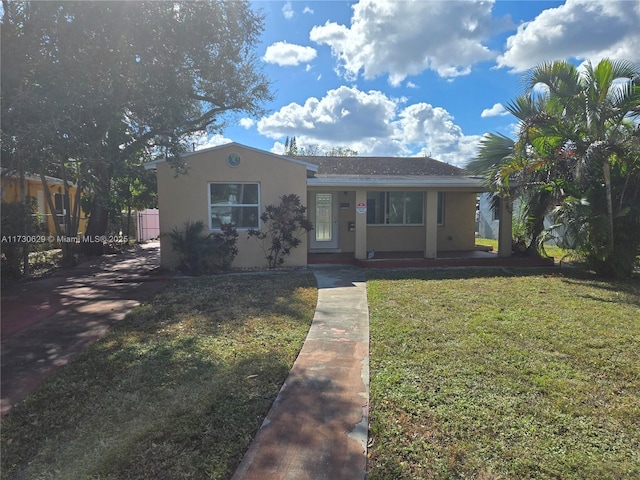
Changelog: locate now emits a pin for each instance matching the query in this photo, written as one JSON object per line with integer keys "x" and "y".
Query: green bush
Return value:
{"x": 199, "y": 253}
{"x": 285, "y": 224}
{"x": 16, "y": 235}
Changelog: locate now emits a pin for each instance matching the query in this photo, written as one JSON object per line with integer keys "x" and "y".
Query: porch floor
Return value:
{"x": 466, "y": 258}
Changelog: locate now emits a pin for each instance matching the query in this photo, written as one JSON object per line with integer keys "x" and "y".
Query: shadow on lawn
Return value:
{"x": 628, "y": 291}
{"x": 176, "y": 390}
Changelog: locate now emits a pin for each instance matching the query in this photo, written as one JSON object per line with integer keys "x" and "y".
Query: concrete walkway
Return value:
{"x": 47, "y": 322}
{"x": 317, "y": 426}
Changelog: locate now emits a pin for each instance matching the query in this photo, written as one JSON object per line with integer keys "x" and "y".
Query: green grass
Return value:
{"x": 177, "y": 390}
{"x": 558, "y": 254}
{"x": 493, "y": 375}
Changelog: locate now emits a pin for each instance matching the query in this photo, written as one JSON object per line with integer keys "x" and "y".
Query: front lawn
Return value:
{"x": 177, "y": 390}
{"x": 557, "y": 253}
{"x": 504, "y": 375}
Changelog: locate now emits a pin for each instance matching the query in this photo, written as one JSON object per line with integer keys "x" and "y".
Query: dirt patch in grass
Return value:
{"x": 177, "y": 390}
{"x": 504, "y": 375}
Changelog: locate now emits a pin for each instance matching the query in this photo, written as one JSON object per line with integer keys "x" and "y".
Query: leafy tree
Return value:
{"x": 578, "y": 149}
{"x": 314, "y": 150}
{"x": 90, "y": 86}
{"x": 284, "y": 224}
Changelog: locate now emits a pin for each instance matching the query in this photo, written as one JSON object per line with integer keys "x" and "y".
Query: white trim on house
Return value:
{"x": 474, "y": 184}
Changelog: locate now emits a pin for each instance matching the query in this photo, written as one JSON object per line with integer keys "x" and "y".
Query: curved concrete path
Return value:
{"x": 317, "y": 426}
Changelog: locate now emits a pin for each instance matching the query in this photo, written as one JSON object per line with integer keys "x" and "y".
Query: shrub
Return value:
{"x": 19, "y": 226}
{"x": 284, "y": 225}
{"x": 200, "y": 253}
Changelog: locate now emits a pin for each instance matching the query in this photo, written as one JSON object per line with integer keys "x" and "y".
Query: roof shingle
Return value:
{"x": 383, "y": 166}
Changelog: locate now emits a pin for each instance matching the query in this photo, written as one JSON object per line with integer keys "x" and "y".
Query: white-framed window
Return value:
{"x": 235, "y": 203}
{"x": 399, "y": 208}
{"x": 395, "y": 208}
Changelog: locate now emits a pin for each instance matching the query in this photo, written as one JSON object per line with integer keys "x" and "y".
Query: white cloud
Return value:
{"x": 205, "y": 140}
{"x": 411, "y": 85}
{"x": 288, "y": 54}
{"x": 580, "y": 29}
{"x": 307, "y": 10}
{"x": 496, "y": 111}
{"x": 247, "y": 122}
{"x": 372, "y": 124}
{"x": 402, "y": 38}
{"x": 287, "y": 11}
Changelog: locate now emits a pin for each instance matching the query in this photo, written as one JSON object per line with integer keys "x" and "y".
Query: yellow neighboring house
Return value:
{"x": 34, "y": 189}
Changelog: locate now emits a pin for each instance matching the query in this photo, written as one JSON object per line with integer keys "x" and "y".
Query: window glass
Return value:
{"x": 375, "y": 208}
{"x": 395, "y": 208}
{"x": 414, "y": 202}
{"x": 234, "y": 203}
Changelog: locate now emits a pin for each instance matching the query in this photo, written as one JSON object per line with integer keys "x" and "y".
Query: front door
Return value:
{"x": 324, "y": 216}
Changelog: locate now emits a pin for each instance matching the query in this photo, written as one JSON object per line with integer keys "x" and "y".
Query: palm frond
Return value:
{"x": 495, "y": 149}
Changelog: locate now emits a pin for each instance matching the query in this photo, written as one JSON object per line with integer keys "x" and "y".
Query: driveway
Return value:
{"x": 46, "y": 322}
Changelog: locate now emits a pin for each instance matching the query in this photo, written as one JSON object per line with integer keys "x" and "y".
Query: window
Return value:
{"x": 237, "y": 204}
{"x": 395, "y": 208}
{"x": 440, "y": 208}
{"x": 61, "y": 204}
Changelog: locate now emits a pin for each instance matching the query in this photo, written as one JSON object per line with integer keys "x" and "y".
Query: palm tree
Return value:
{"x": 592, "y": 119}
{"x": 520, "y": 169}
{"x": 577, "y": 145}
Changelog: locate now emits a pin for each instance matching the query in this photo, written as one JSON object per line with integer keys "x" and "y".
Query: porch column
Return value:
{"x": 505, "y": 216}
{"x": 361, "y": 225}
{"x": 431, "y": 225}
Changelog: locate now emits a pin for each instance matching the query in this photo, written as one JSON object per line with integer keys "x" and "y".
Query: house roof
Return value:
{"x": 384, "y": 166}
{"x": 390, "y": 172}
{"x": 6, "y": 173}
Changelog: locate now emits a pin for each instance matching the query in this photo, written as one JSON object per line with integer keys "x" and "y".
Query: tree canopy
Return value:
{"x": 90, "y": 86}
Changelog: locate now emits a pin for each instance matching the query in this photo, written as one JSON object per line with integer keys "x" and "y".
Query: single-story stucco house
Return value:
{"x": 356, "y": 204}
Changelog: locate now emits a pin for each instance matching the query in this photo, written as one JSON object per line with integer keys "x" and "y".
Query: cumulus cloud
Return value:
{"x": 372, "y": 124}
{"x": 205, "y": 140}
{"x": 288, "y": 54}
{"x": 287, "y": 11}
{"x": 308, "y": 10}
{"x": 579, "y": 29}
{"x": 401, "y": 38}
{"x": 496, "y": 111}
{"x": 247, "y": 122}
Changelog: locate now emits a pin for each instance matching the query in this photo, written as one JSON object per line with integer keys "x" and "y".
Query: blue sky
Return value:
{"x": 413, "y": 78}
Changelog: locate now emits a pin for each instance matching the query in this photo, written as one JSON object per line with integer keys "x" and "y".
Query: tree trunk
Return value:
{"x": 96, "y": 228}
{"x": 99, "y": 214}
{"x": 26, "y": 270}
{"x": 607, "y": 183}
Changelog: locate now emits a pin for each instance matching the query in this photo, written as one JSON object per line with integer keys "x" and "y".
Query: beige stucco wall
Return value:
{"x": 458, "y": 230}
{"x": 186, "y": 197}
{"x": 346, "y": 238}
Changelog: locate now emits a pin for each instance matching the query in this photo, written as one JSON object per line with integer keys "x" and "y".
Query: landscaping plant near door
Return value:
{"x": 285, "y": 224}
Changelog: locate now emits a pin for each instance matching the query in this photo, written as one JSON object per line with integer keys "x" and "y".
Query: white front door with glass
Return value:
{"x": 324, "y": 216}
